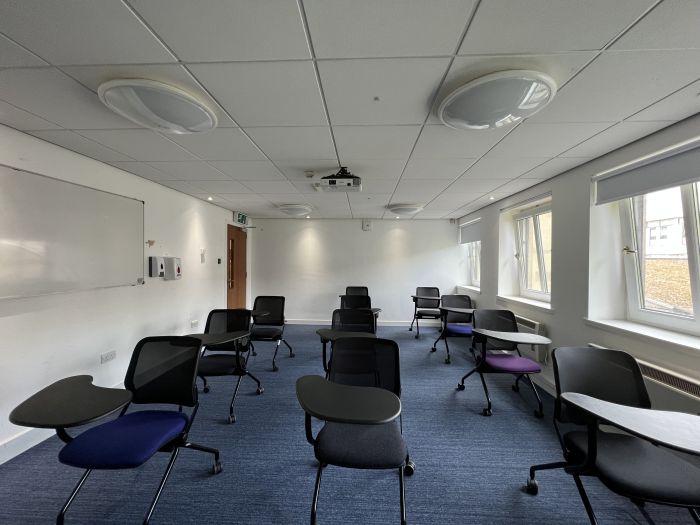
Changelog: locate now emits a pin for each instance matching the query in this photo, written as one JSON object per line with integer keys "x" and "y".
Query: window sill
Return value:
{"x": 465, "y": 288}
{"x": 530, "y": 303}
{"x": 647, "y": 333}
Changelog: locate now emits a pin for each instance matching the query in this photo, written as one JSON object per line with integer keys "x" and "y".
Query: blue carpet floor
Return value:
{"x": 470, "y": 468}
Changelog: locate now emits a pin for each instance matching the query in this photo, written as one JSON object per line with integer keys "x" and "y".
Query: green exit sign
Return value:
{"x": 241, "y": 218}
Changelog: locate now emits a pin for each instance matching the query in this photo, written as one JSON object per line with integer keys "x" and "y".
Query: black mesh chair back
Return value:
{"x": 164, "y": 370}
{"x": 356, "y": 290}
{"x": 274, "y": 306}
{"x": 355, "y": 301}
{"x": 497, "y": 320}
{"x": 430, "y": 291}
{"x": 364, "y": 361}
{"x": 610, "y": 375}
{"x": 356, "y": 320}
{"x": 227, "y": 320}
{"x": 457, "y": 301}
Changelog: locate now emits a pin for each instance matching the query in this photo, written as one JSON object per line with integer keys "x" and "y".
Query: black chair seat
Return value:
{"x": 428, "y": 313}
{"x": 637, "y": 469}
{"x": 361, "y": 446}
{"x": 218, "y": 365}
{"x": 270, "y": 333}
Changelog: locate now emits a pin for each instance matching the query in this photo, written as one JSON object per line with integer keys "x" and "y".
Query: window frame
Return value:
{"x": 473, "y": 260}
{"x": 522, "y": 239}
{"x": 631, "y": 237}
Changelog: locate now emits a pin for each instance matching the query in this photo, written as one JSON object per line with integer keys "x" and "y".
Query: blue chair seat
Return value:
{"x": 125, "y": 442}
{"x": 459, "y": 329}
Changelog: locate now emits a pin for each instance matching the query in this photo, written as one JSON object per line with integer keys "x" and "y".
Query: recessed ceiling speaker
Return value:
{"x": 157, "y": 106}
{"x": 295, "y": 210}
{"x": 497, "y": 100}
{"x": 404, "y": 209}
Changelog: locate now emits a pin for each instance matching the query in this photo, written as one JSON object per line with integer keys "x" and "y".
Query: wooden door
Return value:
{"x": 236, "y": 267}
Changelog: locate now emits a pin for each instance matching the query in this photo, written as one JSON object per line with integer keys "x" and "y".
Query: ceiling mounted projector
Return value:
{"x": 497, "y": 100}
{"x": 157, "y": 106}
{"x": 296, "y": 210}
{"x": 404, "y": 209}
{"x": 341, "y": 181}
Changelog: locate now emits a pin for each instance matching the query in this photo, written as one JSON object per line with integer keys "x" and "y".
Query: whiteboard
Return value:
{"x": 57, "y": 237}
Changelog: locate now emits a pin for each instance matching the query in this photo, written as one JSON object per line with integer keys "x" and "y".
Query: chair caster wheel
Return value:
{"x": 532, "y": 487}
{"x": 410, "y": 329}
{"x": 486, "y": 412}
{"x": 416, "y": 336}
{"x": 231, "y": 419}
{"x": 274, "y": 368}
{"x": 515, "y": 388}
{"x": 255, "y": 353}
{"x": 260, "y": 390}
{"x": 460, "y": 386}
{"x": 292, "y": 354}
{"x": 217, "y": 468}
{"x": 448, "y": 361}
{"x": 410, "y": 468}
{"x": 433, "y": 349}
{"x": 539, "y": 414}
{"x": 206, "y": 389}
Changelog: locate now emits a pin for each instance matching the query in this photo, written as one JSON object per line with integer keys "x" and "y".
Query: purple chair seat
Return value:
{"x": 513, "y": 364}
{"x": 459, "y": 329}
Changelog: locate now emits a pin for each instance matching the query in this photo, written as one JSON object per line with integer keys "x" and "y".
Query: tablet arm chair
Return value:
{"x": 228, "y": 359}
{"x": 356, "y": 290}
{"x": 362, "y": 362}
{"x": 491, "y": 358}
{"x": 355, "y": 301}
{"x": 454, "y": 324}
{"x": 360, "y": 320}
{"x": 629, "y": 466}
{"x": 269, "y": 327}
{"x": 425, "y": 308}
{"x": 163, "y": 371}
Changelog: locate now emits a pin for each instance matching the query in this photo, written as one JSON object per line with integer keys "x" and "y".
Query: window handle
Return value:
{"x": 628, "y": 250}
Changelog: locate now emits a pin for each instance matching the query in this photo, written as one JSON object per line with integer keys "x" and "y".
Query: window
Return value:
{"x": 473, "y": 260}
{"x": 534, "y": 252}
{"x": 660, "y": 232}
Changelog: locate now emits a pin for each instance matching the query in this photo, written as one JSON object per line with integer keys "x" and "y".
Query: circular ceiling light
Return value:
{"x": 404, "y": 209}
{"x": 157, "y": 106}
{"x": 497, "y": 100}
{"x": 295, "y": 210}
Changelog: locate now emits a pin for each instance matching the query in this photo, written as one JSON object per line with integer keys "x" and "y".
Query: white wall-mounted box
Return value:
{"x": 173, "y": 268}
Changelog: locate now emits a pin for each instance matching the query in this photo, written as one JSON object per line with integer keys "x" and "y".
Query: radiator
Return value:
{"x": 665, "y": 377}
{"x": 529, "y": 326}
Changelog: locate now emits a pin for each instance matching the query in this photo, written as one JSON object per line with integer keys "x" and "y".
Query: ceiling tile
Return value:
{"x": 425, "y": 189}
{"x": 677, "y": 106}
{"x": 429, "y": 214}
{"x": 294, "y": 169}
{"x": 79, "y": 144}
{"x": 545, "y": 140}
{"x": 285, "y": 198}
{"x": 220, "y": 144}
{"x": 49, "y": 94}
{"x": 441, "y": 142}
{"x": 139, "y": 144}
{"x": 270, "y": 186}
{"x": 517, "y": 185}
{"x": 142, "y": 170}
{"x": 367, "y": 28}
{"x": 240, "y": 198}
{"x": 450, "y": 200}
{"x": 375, "y": 142}
{"x": 180, "y": 185}
{"x": 470, "y": 186}
{"x": 544, "y": 26}
{"x": 364, "y": 199}
{"x": 189, "y": 170}
{"x": 614, "y": 137}
{"x": 554, "y": 167}
{"x": 379, "y": 186}
{"x": 367, "y": 213}
{"x": 306, "y": 187}
{"x": 220, "y": 186}
{"x": 14, "y": 55}
{"x": 673, "y": 24}
{"x": 287, "y": 143}
{"x": 620, "y": 83}
{"x": 373, "y": 169}
{"x": 381, "y": 91}
{"x": 248, "y": 170}
{"x": 212, "y": 30}
{"x": 22, "y": 120}
{"x": 436, "y": 168}
{"x": 265, "y": 93}
{"x": 173, "y": 74}
{"x": 502, "y": 168}
{"x": 81, "y": 32}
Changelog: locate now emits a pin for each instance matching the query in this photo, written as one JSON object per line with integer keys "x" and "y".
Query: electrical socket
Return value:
{"x": 194, "y": 323}
{"x": 108, "y": 356}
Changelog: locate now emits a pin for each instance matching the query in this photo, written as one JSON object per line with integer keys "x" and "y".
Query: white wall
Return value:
{"x": 47, "y": 338}
{"x": 572, "y": 242}
{"x": 311, "y": 262}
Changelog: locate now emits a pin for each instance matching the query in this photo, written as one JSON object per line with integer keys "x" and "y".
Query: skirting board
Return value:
{"x": 381, "y": 323}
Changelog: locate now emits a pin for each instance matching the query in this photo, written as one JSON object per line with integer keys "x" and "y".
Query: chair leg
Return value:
{"x": 695, "y": 515}
{"x": 61, "y": 515}
{"x": 410, "y": 328}
{"x": 403, "y": 497}
{"x": 291, "y": 352}
{"x": 531, "y": 487}
{"x": 487, "y": 410}
{"x": 202, "y": 448}
{"x": 260, "y": 388}
{"x": 252, "y": 348}
{"x": 539, "y": 413}
{"x": 173, "y": 457}
{"x": 205, "y": 388}
{"x": 317, "y": 489}
{"x": 447, "y": 347}
{"x": 274, "y": 357}
{"x": 585, "y": 500}
{"x": 417, "y": 329}
{"x": 231, "y": 415}
{"x": 460, "y": 385}
{"x": 516, "y": 386}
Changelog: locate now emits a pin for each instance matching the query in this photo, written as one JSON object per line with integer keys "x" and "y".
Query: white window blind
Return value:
{"x": 666, "y": 169}
{"x": 470, "y": 231}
